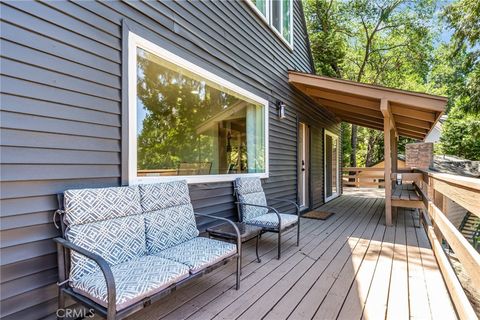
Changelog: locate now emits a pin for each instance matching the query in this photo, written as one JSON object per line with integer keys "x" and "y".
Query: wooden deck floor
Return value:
{"x": 348, "y": 267}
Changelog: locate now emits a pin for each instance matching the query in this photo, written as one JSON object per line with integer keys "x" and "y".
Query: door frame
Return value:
{"x": 337, "y": 194}
{"x": 308, "y": 185}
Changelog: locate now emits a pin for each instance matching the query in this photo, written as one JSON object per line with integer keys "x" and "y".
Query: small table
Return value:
{"x": 227, "y": 232}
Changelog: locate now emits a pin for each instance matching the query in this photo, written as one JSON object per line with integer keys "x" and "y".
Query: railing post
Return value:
{"x": 387, "y": 138}
{"x": 438, "y": 200}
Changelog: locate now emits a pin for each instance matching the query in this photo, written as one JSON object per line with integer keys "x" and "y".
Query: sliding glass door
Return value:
{"x": 331, "y": 156}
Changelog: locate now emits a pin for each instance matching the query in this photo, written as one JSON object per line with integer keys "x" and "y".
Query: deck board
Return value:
{"x": 398, "y": 307}
{"x": 418, "y": 296}
{"x": 349, "y": 266}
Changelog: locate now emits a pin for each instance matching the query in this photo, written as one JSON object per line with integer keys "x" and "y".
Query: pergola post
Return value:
{"x": 387, "y": 134}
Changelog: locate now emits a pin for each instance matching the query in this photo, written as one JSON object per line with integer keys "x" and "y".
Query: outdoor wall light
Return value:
{"x": 281, "y": 110}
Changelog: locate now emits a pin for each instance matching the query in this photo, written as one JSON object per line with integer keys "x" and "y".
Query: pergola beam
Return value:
{"x": 375, "y": 120}
{"x": 412, "y": 113}
{"x": 413, "y": 129}
{"x": 345, "y": 110}
{"x": 350, "y": 108}
{"x": 418, "y": 132}
{"x": 387, "y": 113}
{"x": 342, "y": 98}
{"x": 378, "y": 126}
{"x": 411, "y": 135}
{"x": 413, "y": 122}
{"x": 362, "y": 122}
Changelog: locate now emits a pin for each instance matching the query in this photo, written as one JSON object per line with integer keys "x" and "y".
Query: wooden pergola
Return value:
{"x": 395, "y": 112}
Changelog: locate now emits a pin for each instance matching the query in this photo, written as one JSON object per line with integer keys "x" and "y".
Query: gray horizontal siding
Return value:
{"x": 60, "y": 122}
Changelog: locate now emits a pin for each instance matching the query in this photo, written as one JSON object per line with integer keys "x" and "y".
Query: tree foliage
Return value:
{"x": 463, "y": 18}
{"x": 174, "y": 105}
{"x": 385, "y": 42}
{"x": 456, "y": 73}
{"x": 461, "y": 135}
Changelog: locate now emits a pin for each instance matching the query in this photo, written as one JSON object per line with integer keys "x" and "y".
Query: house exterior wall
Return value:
{"x": 61, "y": 114}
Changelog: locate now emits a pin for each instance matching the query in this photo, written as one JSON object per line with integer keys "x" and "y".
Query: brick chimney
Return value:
{"x": 419, "y": 155}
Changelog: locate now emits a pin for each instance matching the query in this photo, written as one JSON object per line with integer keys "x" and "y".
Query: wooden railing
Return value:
{"x": 157, "y": 172}
{"x": 368, "y": 177}
{"x": 437, "y": 189}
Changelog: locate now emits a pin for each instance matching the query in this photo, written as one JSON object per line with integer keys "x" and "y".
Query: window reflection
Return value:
{"x": 187, "y": 125}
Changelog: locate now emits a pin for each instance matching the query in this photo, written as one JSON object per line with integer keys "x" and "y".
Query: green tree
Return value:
{"x": 463, "y": 17}
{"x": 461, "y": 134}
{"x": 456, "y": 74}
{"x": 385, "y": 42}
{"x": 174, "y": 105}
{"x": 328, "y": 32}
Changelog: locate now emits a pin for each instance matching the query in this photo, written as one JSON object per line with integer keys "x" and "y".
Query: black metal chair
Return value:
{"x": 253, "y": 209}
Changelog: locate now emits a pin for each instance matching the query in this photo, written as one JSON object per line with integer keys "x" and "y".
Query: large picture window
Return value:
{"x": 187, "y": 122}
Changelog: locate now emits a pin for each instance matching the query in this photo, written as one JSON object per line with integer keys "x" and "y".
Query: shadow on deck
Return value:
{"x": 350, "y": 266}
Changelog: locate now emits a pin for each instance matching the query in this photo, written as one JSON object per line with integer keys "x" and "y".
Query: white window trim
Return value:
{"x": 337, "y": 194}
{"x": 266, "y": 20}
{"x": 135, "y": 41}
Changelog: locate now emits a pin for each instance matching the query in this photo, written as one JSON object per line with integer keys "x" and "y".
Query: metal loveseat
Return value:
{"x": 125, "y": 247}
{"x": 253, "y": 209}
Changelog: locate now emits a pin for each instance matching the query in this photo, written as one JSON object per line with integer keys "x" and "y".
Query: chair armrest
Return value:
{"x": 261, "y": 206}
{"x": 297, "y": 207}
{"x": 239, "y": 237}
{"x": 102, "y": 263}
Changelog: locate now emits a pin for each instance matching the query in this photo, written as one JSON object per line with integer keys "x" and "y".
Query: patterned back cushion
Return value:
{"x": 90, "y": 205}
{"x": 106, "y": 221}
{"x": 116, "y": 240}
{"x": 249, "y": 190}
{"x": 169, "y": 219}
{"x": 164, "y": 195}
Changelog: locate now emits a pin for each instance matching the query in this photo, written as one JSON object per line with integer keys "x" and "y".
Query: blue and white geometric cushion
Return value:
{"x": 199, "y": 253}
{"x": 251, "y": 212}
{"x": 168, "y": 227}
{"x": 248, "y": 185}
{"x": 164, "y": 195}
{"x": 270, "y": 220}
{"x": 116, "y": 240}
{"x": 134, "y": 280}
{"x": 90, "y": 205}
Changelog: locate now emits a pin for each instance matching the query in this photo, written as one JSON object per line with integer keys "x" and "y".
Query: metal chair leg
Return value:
{"x": 239, "y": 269}
{"x": 256, "y": 249}
{"x": 298, "y": 234}
{"x": 111, "y": 313}
{"x": 279, "y": 244}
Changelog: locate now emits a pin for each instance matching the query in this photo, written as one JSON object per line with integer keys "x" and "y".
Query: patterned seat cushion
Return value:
{"x": 199, "y": 253}
{"x": 116, "y": 240}
{"x": 249, "y": 190}
{"x": 270, "y": 220}
{"x": 169, "y": 220}
{"x": 134, "y": 280}
{"x": 168, "y": 227}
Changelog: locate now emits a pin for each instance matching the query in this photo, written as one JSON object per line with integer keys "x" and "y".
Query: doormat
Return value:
{"x": 319, "y": 215}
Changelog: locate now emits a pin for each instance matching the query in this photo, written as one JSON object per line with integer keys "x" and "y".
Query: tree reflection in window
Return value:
{"x": 187, "y": 125}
